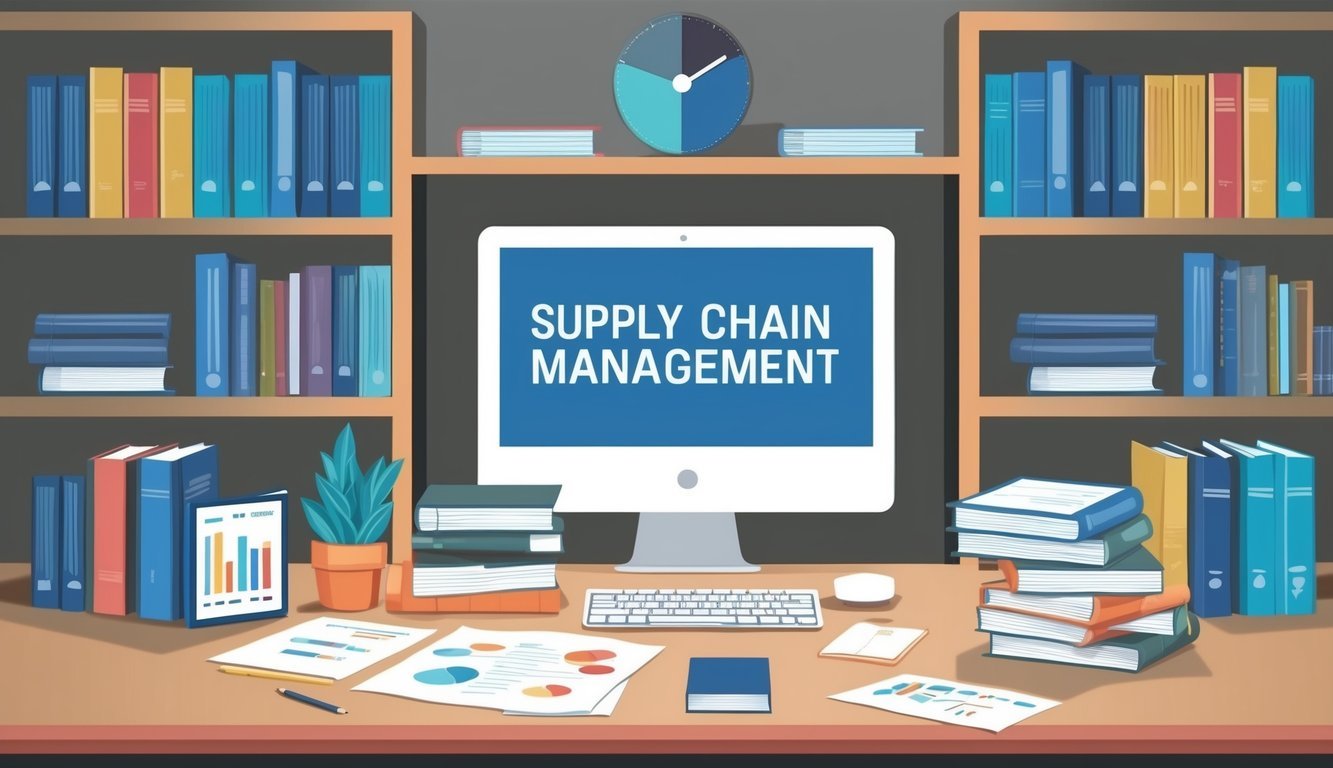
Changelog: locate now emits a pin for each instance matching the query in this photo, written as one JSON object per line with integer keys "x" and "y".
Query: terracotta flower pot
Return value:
{"x": 348, "y": 575}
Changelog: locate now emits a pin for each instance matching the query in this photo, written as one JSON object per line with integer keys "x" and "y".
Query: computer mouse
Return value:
{"x": 864, "y": 588}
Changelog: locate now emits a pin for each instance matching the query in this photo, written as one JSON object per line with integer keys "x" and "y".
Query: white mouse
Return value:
{"x": 864, "y": 588}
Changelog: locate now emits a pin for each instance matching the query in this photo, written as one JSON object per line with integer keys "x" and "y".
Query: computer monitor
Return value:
{"x": 688, "y": 374}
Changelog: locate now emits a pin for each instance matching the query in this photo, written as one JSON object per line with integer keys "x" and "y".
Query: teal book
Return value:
{"x": 251, "y": 167}
{"x": 1295, "y": 146}
{"x": 486, "y": 508}
{"x": 999, "y": 180}
{"x": 1100, "y": 550}
{"x": 1128, "y": 653}
{"x": 212, "y": 146}
{"x": 493, "y": 541}
{"x": 1293, "y": 490}
{"x": 375, "y": 335}
{"x": 1255, "y": 544}
{"x": 376, "y": 117}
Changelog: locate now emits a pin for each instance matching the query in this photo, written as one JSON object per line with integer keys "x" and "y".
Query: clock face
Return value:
{"x": 682, "y": 84}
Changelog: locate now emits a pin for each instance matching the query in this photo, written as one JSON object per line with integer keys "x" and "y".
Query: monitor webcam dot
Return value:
{"x": 687, "y": 479}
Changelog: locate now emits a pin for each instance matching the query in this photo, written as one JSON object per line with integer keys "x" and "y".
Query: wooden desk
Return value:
{"x": 80, "y": 682}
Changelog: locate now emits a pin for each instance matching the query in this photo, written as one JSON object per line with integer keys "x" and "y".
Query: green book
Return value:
{"x": 1100, "y": 550}
{"x": 1138, "y": 573}
{"x": 493, "y": 541}
{"x": 1129, "y": 653}
{"x": 486, "y": 508}
{"x": 1172, "y": 622}
{"x": 268, "y": 367}
{"x": 436, "y": 559}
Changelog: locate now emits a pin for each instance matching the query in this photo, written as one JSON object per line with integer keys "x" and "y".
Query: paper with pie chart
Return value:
{"x": 522, "y": 673}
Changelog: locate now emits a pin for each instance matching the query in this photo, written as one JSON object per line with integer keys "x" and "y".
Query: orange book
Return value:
{"x": 1302, "y": 337}
{"x": 400, "y": 598}
{"x": 1085, "y": 610}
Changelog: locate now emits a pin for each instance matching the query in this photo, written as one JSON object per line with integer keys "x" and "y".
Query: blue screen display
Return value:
{"x": 686, "y": 347}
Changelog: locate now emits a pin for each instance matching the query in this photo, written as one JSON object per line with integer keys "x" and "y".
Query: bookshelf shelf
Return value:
{"x": 1155, "y": 407}
{"x": 753, "y": 166}
{"x": 1080, "y": 227}
{"x": 228, "y": 227}
{"x": 197, "y": 407}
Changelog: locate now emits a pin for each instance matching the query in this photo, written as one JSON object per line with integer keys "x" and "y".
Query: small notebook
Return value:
{"x": 874, "y": 643}
{"x": 728, "y": 685}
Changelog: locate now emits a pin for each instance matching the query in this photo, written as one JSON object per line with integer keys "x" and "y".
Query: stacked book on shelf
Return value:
{"x": 870, "y": 141}
{"x": 175, "y": 144}
{"x": 101, "y": 354}
{"x": 1082, "y": 583}
{"x": 526, "y": 141}
{"x": 1064, "y": 142}
{"x": 1086, "y": 354}
{"x": 1246, "y": 332}
{"x": 323, "y": 331}
{"x": 484, "y": 548}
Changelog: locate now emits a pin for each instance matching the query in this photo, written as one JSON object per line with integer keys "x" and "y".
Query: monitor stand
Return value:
{"x": 687, "y": 542}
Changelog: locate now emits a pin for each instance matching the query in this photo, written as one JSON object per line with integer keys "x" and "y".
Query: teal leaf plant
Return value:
{"x": 352, "y": 506}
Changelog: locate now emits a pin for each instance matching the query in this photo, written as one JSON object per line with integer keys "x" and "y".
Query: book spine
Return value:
{"x": 46, "y": 541}
{"x": 1271, "y": 303}
{"x": 212, "y": 146}
{"x": 1295, "y": 146}
{"x": 244, "y": 314}
{"x": 62, "y": 350}
{"x": 295, "y": 338}
{"x": 1100, "y": 350}
{"x": 344, "y": 146}
{"x": 1064, "y": 137}
{"x": 1030, "y": 144}
{"x": 314, "y": 145}
{"x": 1226, "y": 377}
{"x": 1127, "y": 145}
{"x": 1096, "y": 145}
{"x": 141, "y": 123}
{"x": 999, "y": 138}
{"x": 1110, "y": 512}
{"x": 251, "y": 165}
{"x": 73, "y": 532}
{"x": 1224, "y": 145}
{"x": 1148, "y": 473}
{"x": 196, "y": 481}
{"x": 113, "y": 540}
{"x": 280, "y": 328}
{"x": 1259, "y": 138}
{"x": 1083, "y": 325}
{"x": 267, "y": 350}
{"x": 1321, "y": 360}
{"x": 72, "y": 159}
{"x": 1256, "y": 545}
{"x": 105, "y": 142}
{"x": 345, "y": 327}
{"x": 1190, "y": 146}
{"x": 212, "y": 324}
{"x": 376, "y": 116}
{"x": 43, "y": 122}
{"x": 1296, "y": 536}
{"x": 87, "y": 325}
{"x": 1253, "y": 331}
{"x": 159, "y": 531}
{"x": 1284, "y": 338}
{"x": 1158, "y": 164}
{"x": 317, "y": 331}
{"x": 1210, "y": 541}
{"x": 375, "y": 335}
{"x": 1302, "y": 333}
{"x": 1197, "y": 349}
{"x": 176, "y": 142}
{"x": 285, "y": 117}
{"x": 480, "y": 541}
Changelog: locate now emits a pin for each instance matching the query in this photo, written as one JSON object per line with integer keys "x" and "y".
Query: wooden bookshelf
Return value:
{"x": 1131, "y": 227}
{"x": 1054, "y": 407}
{"x": 196, "y": 407}
{"x": 672, "y": 166}
{"x": 193, "y": 227}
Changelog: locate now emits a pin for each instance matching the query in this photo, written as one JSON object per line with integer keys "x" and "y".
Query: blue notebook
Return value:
{"x": 1255, "y": 547}
{"x": 345, "y": 327}
{"x": 1209, "y": 529}
{"x": 251, "y": 153}
{"x": 344, "y": 146}
{"x": 285, "y": 146}
{"x": 43, "y": 122}
{"x": 999, "y": 179}
{"x": 1127, "y": 145}
{"x": 1064, "y": 138}
{"x": 244, "y": 318}
{"x": 1048, "y": 509}
{"x": 212, "y": 146}
{"x": 46, "y": 541}
{"x": 168, "y": 483}
{"x": 375, "y": 333}
{"x": 1226, "y": 372}
{"x": 729, "y": 685}
{"x": 314, "y": 193}
{"x": 1030, "y": 143}
{"x": 72, "y": 171}
{"x": 1096, "y": 145}
{"x": 1200, "y": 290}
{"x": 212, "y": 325}
{"x": 73, "y": 544}
{"x": 376, "y": 144}
{"x": 1295, "y": 146}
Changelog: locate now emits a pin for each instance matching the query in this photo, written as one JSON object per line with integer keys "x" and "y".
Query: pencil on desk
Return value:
{"x": 304, "y": 699}
{"x": 291, "y": 676}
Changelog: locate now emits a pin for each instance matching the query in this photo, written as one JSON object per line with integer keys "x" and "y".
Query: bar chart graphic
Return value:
{"x": 238, "y": 563}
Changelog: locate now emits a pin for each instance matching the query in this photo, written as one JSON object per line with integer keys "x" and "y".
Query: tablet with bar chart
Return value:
{"x": 235, "y": 562}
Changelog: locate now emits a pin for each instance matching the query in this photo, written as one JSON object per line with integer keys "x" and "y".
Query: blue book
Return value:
{"x": 1085, "y": 324}
{"x": 1284, "y": 338}
{"x": 1064, "y": 138}
{"x": 314, "y": 194}
{"x": 1255, "y": 548}
{"x": 244, "y": 318}
{"x": 344, "y": 146}
{"x": 999, "y": 129}
{"x": 1073, "y": 350}
{"x": 1198, "y": 350}
{"x": 46, "y": 541}
{"x": 1226, "y": 373}
{"x": 1209, "y": 530}
{"x": 728, "y": 685}
{"x": 1096, "y": 145}
{"x": 212, "y": 146}
{"x": 1319, "y": 351}
{"x": 212, "y": 324}
{"x": 1293, "y": 474}
{"x": 251, "y": 154}
{"x": 1295, "y": 146}
{"x": 73, "y": 544}
{"x": 107, "y": 350}
{"x": 1030, "y": 143}
{"x": 1253, "y": 327}
{"x": 375, "y": 331}
{"x": 72, "y": 159}
{"x": 1127, "y": 145}
{"x": 168, "y": 483}
{"x": 345, "y": 326}
{"x": 285, "y": 147}
{"x": 43, "y": 130}
{"x": 93, "y": 324}
{"x": 1048, "y": 509}
{"x": 376, "y": 102}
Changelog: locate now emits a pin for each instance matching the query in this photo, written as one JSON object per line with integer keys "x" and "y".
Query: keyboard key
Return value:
{"x": 616, "y": 619}
{"x": 640, "y": 619}
{"x": 750, "y": 619}
{"x": 805, "y": 620}
{"x": 596, "y": 619}
{"x": 788, "y": 620}
{"x": 768, "y": 619}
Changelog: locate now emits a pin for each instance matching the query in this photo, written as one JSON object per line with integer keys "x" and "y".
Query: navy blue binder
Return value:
{"x": 345, "y": 146}
{"x": 1030, "y": 144}
{"x": 314, "y": 197}
{"x": 73, "y": 544}
{"x": 1127, "y": 145}
{"x": 345, "y": 327}
{"x": 1096, "y": 145}
{"x": 42, "y": 132}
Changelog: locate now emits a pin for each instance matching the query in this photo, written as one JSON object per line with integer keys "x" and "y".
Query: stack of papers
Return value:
{"x": 860, "y": 142}
{"x": 332, "y": 648}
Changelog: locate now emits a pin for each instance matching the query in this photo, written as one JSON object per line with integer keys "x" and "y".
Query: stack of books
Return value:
{"x": 848, "y": 142}
{"x": 1080, "y": 354}
{"x": 101, "y": 354}
{"x": 1081, "y": 583}
{"x": 527, "y": 141}
{"x": 488, "y": 548}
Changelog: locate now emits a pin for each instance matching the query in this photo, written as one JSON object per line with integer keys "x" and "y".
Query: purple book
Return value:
{"x": 317, "y": 331}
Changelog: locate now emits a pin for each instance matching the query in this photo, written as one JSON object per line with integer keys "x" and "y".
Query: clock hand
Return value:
{"x": 701, "y": 72}
{"x": 682, "y": 82}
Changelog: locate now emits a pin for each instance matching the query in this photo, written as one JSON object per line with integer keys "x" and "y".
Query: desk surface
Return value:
{"x": 94, "y": 683}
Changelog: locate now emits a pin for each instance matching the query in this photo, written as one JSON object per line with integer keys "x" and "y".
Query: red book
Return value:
{"x": 1224, "y": 145}
{"x": 140, "y": 145}
{"x": 280, "y": 323}
{"x": 113, "y": 483}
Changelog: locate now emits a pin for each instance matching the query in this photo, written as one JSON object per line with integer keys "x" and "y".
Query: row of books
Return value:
{"x": 1246, "y": 332}
{"x": 578, "y": 141}
{"x": 1067, "y": 143}
{"x": 100, "y": 353}
{"x": 1082, "y": 353}
{"x": 501, "y": 541}
{"x": 325, "y": 330}
{"x": 116, "y": 144}
{"x": 109, "y": 541}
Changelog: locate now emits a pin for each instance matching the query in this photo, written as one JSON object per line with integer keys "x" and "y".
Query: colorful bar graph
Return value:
{"x": 254, "y": 569}
{"x": 229, "y": 576}
{"x": 217, "y": 563}
{"x": 268, "y": 564}
{"x": 208, "y": 568}
{"x": 241, "y": 561}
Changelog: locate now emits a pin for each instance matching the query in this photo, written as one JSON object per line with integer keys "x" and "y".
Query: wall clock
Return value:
{"x": 682, "y": 84}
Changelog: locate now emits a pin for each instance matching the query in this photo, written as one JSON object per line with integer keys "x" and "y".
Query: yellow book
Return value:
{"x": 176, "y": 136}
{"x": 1162, "y": 477}
{"x": 1259, "y": 139}
{"x": 1158, "y": 169}
{"x": 1190, "y": 145}
{"x": 106, "y": 132}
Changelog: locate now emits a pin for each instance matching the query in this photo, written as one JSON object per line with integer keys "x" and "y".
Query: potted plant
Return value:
{"x": 349, "y": 518}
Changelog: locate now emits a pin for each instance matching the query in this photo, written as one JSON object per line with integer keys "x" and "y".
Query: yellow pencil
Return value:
{"x": 247, "y": 672}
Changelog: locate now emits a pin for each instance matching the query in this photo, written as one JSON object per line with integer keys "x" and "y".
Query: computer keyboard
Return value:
{"x": 707, "y": 608}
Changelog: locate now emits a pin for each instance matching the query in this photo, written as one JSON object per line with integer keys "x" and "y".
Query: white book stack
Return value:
{"x": 845, "y": 142}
